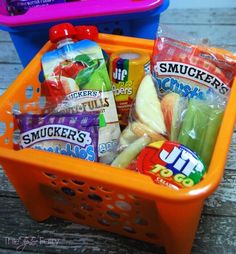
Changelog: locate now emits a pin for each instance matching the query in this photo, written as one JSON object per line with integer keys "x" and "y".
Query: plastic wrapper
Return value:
{"x": 193, "y": 83}
{"x": 74, "y": 135}
{"x": 146, "y": 124}
{"x": 197, "y": 126}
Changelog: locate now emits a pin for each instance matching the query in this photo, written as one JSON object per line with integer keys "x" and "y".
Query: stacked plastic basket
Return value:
{"x": 100, "y": 196}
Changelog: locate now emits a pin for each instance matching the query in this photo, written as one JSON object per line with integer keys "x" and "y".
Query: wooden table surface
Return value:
{"x": 217, "y": 228}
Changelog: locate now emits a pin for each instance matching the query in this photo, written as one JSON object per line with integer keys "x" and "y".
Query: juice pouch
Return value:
{"x": 76, "y": 78}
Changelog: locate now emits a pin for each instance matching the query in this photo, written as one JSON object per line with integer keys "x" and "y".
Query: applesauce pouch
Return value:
{"x": 76, "y": 78}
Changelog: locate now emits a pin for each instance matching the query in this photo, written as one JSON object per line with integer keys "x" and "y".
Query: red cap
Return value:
{"x": 61, "y": 31}
{"x": 86, "y": 32}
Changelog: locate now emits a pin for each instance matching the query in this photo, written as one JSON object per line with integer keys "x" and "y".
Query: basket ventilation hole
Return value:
{"x": 16, "y": 137}
{"x": 108, "y": 197}
{"x": 68, "y": 191}
{"x": 95, "y": 197}
{"x": 41, "y": 77}
{"x": 11, "y": 125}
{"x": 79, "y": 216}
{"x": 129, "y": 229}
{"x": 140, "y": 221}
{"x": 42, "y": 102}
{"x": 80, "y": 190}
{"x": 29, "y": 92}
{"x": 85, "y": 206}
{"x": 2, "y": 128}
{"x": 50, "y": 175}
{"x": 64, "y": 181}
{"x": 121, "y": 196}
{"x": 113, "y": 214}
{"x": 53, "y": 183}
{"x": 151, "y": 235}
{"x": 92, "y": 188}
{"x": 6, "y": 141}
{"x": 110, "y": 206}
{"x": 38, "y": 90}
{"x": 16, "y": 108}
{"x": 78, "y": 182}
{"x": 103, "y": 222}
{"x": 123, "y": 205}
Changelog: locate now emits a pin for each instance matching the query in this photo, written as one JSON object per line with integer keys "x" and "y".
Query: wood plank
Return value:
{"x": 183, "y": 4}
{"x": 216, "y": 35}
{"x": 215, "y": 235}
{"x": 72, "y": 238}
{"x": 8, "y": 54}
{"x": 223, "y": 201}
{"x": 4, "y": 36}
{"x": 8, "y": 73}
{"x": 224, "y": 16}
{"x": 9, "y": 251}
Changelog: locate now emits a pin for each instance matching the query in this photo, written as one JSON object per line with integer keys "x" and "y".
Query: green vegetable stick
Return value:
{"x": 130, "y": 152}
{"x": 201, "y": 119}
{"x": 192, "y": 134}
{"x": 211, "y": 135}
{"x": 187, "y": 126}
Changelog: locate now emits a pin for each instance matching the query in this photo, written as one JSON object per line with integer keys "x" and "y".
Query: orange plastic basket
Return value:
{"x": 98, "y": 195}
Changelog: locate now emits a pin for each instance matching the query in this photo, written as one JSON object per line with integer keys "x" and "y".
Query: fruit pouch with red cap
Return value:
{"x": 76, "y": 80}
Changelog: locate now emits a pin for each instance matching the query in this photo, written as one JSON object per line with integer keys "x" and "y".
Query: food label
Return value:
{"x": 74, "y": 135}
{"x": 171, "y": 164}
{"x": 127, "y": 69}
{"x": 189, "y": 71}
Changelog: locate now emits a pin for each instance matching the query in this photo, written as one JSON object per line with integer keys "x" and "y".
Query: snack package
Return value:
{"x": 74, "y": 135}
{"x": 146, "y": 124}
{"x": 16, "y": 7}
{"x": 76, "y": 80}
{"x": 171, "y": 164}
{"x": 193, "y": 83}
{"x": 127, "y": 69}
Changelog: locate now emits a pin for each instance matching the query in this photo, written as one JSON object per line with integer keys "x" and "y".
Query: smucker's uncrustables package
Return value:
{"x": 77, "y": 73}
{"x": 74, "y": 135}
{"x": 193, "y": 83}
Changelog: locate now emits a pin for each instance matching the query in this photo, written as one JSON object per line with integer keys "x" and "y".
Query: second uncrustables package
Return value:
{"x": 193, "y": 83}
{"x": 76, "y": 77}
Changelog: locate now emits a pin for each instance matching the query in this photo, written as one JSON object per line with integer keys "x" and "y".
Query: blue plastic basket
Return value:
{"x": 29, "y": 38}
